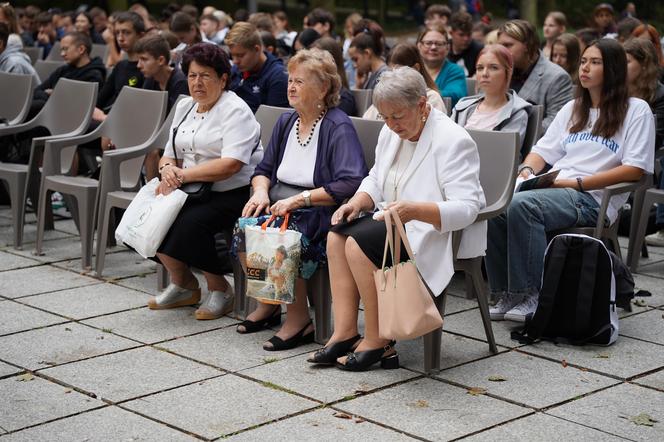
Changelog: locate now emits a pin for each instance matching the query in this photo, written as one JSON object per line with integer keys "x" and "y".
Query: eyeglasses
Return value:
{"x": 432, "y": 43}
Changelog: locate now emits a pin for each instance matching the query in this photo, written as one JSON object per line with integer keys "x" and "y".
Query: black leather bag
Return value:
{"x": 197, "y": 190}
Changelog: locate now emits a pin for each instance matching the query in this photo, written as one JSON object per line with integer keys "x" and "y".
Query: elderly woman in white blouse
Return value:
{"x": 432, "y": 182}
{"x": 217, "y": 141}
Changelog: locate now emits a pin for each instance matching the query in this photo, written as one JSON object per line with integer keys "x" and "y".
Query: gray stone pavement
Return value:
{"x": 82, "y": 358}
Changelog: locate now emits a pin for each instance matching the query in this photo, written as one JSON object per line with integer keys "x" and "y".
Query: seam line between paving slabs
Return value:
{"x": 32, "y": 256}
{"x": 591, "y": 427}
{"x": 166, "y": 424}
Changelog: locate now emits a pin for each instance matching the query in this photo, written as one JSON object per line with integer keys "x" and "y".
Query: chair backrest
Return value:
{"x": 533, "y": 129}
{"x": 35, "y": 53}
{"x": 447, "y": 101}
{"x": 499, "y": 154}
{"x": 363, "y": 100}
{"x": 45, "y": 68}
{"x": 267, "y": 117}
{"x": 471, "y": 86}
{"x": 69, "y": 107}
{"x": 99, "y": 50}
{"x": 16, "y": 93}
{"x": 55, "y": 55}
{"x": 367, "y": 132}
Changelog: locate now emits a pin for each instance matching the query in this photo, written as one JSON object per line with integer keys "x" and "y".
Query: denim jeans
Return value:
{"x": 517, "y": 238}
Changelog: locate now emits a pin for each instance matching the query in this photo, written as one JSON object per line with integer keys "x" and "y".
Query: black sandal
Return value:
{"x": 261, "y": 324}
{"x": 329, "y": 355}
{"x": 363, "y": 360}
{"x": 298, "y": 339}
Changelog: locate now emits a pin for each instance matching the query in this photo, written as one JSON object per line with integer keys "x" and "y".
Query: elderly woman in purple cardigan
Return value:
{"x": 313, "y": 163}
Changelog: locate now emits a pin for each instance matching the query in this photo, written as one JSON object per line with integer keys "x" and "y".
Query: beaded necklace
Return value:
{"x": 306, "y": 142}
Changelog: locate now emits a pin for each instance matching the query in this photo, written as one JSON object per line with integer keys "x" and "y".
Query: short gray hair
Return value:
{"x": 401, "y": 85}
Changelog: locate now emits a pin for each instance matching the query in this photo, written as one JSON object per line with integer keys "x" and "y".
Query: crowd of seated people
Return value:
{"x": 603, "y": 118}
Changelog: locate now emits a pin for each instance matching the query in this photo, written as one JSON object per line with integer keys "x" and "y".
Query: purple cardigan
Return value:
{"x": 340, "y": 165}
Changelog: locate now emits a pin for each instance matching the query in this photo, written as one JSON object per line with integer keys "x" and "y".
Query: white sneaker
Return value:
{"x": 524, "y": 310}
{"x": 656, "y": 239}
{"x": 174, "y": 296}
{"x": 506, "y": 303}
{"x": 216, "y": 305}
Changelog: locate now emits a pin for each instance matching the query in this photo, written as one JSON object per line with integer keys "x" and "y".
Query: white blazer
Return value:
{"x": 444, "y": 169}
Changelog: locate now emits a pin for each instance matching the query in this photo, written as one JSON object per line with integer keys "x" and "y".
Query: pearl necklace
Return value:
{"x": 306, "y": 142}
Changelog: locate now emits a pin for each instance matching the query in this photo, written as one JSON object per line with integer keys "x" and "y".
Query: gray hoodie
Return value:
{"x": 15, "y": 61}
{"x": 513, "y": 117}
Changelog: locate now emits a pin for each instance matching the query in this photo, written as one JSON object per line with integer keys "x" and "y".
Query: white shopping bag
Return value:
{"x": 148, "y": 218}
{"x": 273, "y": 260}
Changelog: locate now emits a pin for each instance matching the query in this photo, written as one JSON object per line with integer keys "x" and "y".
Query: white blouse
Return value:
{"x": 228, "y": 130}
{"x": 297, "y": 165}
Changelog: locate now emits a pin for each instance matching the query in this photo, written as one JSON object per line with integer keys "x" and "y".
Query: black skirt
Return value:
{"x": 191, "y": 238}
{"x": 370, "y": 236}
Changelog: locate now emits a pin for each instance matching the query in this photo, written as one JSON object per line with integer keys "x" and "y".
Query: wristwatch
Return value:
{"x": 307, "y": 198}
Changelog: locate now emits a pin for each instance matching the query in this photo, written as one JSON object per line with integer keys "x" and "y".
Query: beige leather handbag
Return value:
{"x": 405, "y": 307}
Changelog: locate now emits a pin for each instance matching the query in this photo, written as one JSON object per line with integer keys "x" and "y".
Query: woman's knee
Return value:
{"x": 353, "y": 250}
{"x": 335, "y": 244}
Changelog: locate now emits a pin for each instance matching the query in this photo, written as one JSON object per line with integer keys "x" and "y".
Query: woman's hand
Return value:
{"x": 562, "y": 183}
{"x": 257, "y": 204}
{"x": 282, "y": 207}
{"x": 347, "y": 212}
{"x": 173, "y": 176}
{"x": 163, "y": 189}
{"x": 407, "y": 210}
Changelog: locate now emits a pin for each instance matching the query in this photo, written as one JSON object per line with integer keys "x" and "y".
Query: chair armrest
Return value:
{"x": 16, "y": 128}
{"x": 489, "y": 212}
{"x": 613, "y": 190}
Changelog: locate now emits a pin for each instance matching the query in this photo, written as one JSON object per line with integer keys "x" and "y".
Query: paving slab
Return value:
{"x": 625, "y": 359}
{"x": 224, "y": 405}
{"x": 326, "y": 384}
{"x": 648, "y": 326}
{"x": 654, "y": 285}
{"x": 432, "y": 410}
{"x": 67, "y": 226}
{"x": 544, "y": 428}
{"x": 31, "y": 400}
{"x": 9, "y": 261}
{"x": 57, "y": 250}
{"x": 470, "y": 324}
{"x": 43, "y": 279}
{"x": 144, "y": 283}
{"x": 529, "y": 380}
{"x": 85, "y": 302}
{"x": 151, "y": 326}
{"x": 15, "y": 317}
{"x": 119, "y": 263}
{"x": 58, "y": 345}
{"x": 29, "y": 236}
{"x": 132, "y": 373}
{"x": 455, "y": 350}
{"x": 6, "y": 369}
{"x": 230, "y": 350}
{"x": 455, "y": 304}
{"x": 321, "y": 426}
{"x": 610, "y": 410}
{"x": 652, "y": 266}
{"x": 655, "y": 380}
{"x": 105, "y": 424}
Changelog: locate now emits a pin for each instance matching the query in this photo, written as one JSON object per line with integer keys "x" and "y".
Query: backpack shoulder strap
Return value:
{"x": 586, "y": 289}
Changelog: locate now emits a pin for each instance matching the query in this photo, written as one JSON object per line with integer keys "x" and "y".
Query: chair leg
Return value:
{"x": 648, "y": 200}
{"x": 322, "y": 297}
{"x": 637, "y": 205}
{"x": 240, "y": 288}
{"x": 44, "y": 198}
{"x": 479, "y": 287}
{"x": 432, "y": 341}
{"x": 17, "y": 197}
{"x": 162, "y": 277}
{"x": 102, "y": 239}
{"x": 644, "y": 250}
{"x": 86, "y": 206}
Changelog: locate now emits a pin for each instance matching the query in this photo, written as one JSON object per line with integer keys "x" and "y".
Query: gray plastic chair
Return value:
{"x": 35, "y": 53}
{"x": 447, "y": 101}
{"x": 499, "y": 155}
{"x": 45, "y": 68}
{"x": 471, "y": 86}
{"x": 267, "y": 117}
{"x": 66, "y": 114}
{"x": 368, "y": 131}
{"x": 55, "y": 55}
{"x": 533, "y": 129}
{"x": 114, "y": 180}
{"x": 16, "y": 93}
{"x": 639, "y": 224}
{"x": 135, "y": 117}
{"x": 99, "y": 50}
{"x": 363, "y": 100}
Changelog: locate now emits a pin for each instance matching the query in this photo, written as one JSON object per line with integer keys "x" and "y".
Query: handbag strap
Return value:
{"x": 388, "y": 238}
{"x": 401, "y": 235}
{"x": 272, "y": 218}
{"x": 175, "y": 131}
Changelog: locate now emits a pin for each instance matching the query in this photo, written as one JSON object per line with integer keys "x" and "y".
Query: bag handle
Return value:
{"x": 175, "y": 132}
{"x": 273, "y": 218}
{"x": 401, "y": 232}
{"x": 389, "y": 238}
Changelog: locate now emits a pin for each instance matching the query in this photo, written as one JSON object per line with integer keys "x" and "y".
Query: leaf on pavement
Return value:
{"x": 342, "y": 415}
{"x": 25, "y": 377}
{"x": 641, "y": 419}
{"x": 497, "y": 378}
{"x": 476, "y": 391}
{"x": 419, "y": 404}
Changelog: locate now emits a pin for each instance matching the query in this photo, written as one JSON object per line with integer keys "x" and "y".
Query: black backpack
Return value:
{"x": 577, "y": 301}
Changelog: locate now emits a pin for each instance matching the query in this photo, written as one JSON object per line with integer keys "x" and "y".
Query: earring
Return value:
{"x": 319, "y": 105}
{"x": 424, "y": 118}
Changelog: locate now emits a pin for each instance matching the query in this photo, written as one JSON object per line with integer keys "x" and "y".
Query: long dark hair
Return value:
{"x": 407, "y": 54}
{"x": 615, "y": 96}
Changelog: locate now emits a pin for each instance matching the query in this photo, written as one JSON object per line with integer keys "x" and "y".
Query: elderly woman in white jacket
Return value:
{"x": 427, "y": 170}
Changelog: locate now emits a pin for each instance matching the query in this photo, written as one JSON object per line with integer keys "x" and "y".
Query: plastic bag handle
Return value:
{"x": 272, "y": 218}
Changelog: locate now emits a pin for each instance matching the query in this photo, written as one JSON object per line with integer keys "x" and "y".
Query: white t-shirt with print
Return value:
{"x": 228, "y": 130}
{"x": 583, "y": 154}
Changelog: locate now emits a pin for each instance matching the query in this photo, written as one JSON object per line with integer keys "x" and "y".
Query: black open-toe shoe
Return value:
{"x": 261, "y": 324}
{"x": 296, "y": 340}
{"x": 363, "y": 360}
{"x": 329, "y": 355}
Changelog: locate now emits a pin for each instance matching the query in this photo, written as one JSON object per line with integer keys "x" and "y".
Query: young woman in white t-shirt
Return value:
{"x": 601, "y": 138}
